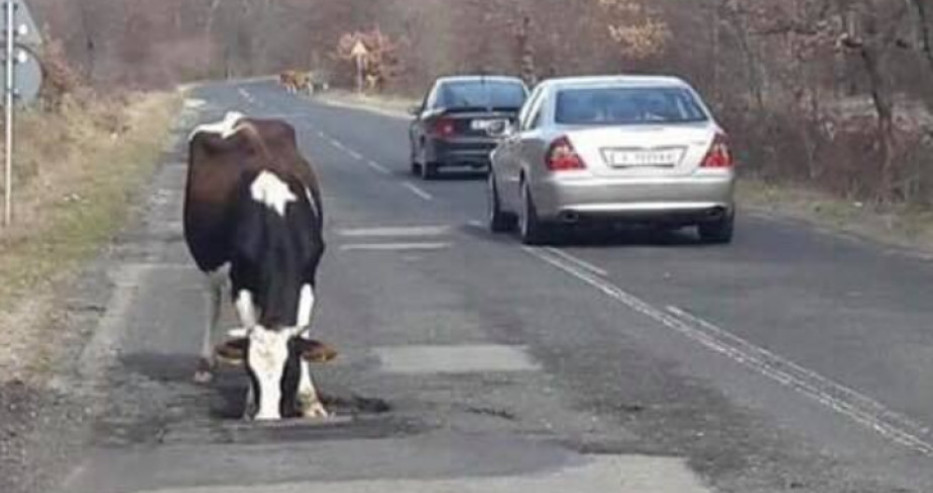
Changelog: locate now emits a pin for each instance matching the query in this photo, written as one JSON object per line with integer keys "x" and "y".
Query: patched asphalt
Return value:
{"x": 469, "y": 363}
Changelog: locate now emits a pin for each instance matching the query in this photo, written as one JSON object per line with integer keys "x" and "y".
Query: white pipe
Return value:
{"x": 8, "y": 192}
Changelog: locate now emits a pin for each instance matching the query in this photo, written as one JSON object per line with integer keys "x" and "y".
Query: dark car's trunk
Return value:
{"x": 462, "y": 120}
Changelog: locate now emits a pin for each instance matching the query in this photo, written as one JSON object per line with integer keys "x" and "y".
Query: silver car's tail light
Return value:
{"x": 561, "y": 156}
{"x": 719, "y": 155}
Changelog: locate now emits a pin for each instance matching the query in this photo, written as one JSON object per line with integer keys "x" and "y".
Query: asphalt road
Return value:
{"x": 791, "y": 360}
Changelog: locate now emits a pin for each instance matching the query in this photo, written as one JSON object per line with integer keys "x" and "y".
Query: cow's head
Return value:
{"x": 278, "y": 246}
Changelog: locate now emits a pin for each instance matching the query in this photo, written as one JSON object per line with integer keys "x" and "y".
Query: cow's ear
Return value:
{"x": 314, "y": 351}
{"x": 232, "y": 351}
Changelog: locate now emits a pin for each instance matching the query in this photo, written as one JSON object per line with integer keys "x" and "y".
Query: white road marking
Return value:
{"x": 336, "y": 143}
{"x": 476, "y": 223}
{"x": 415, "y": 189}
{"x": 791, "y": 367}
{"x": 378, "y": 167}
{"x": 245, "y": 95}
{"x": 358, "y": 247}
{"x": 321, "y": 134}
{"x": 594, "y": 473}
{"x": 395, "y": 231}
{"x": 851, "y": 404}
{"x": 579, "y": 262}
{"x": 354, "y": 154}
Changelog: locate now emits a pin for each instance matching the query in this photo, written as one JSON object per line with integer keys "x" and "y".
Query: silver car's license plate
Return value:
{"x": 643, "y": 157}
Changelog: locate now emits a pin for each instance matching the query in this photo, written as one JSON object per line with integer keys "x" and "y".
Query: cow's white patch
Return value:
{"x": 305, "y": 307}
{"x": 268, "y": 352}
{"x": 246, "y": 309}
{"x": 271, "y": 191}
{"x": 225, "y": 128}
{"x": 238, "y": 333}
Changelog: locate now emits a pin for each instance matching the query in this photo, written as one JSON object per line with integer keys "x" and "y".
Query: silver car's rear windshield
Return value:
{"x": 481, "y": 94}
{"x": 627, "y": 106}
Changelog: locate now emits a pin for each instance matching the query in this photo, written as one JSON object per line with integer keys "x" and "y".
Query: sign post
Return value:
{"x": 359, "y": 53}
{"x": 8, "y": 109}
{"x": 22, "y": 84}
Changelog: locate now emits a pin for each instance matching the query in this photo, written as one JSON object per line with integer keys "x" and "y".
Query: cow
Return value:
{"x": 294, "y": 80}
{"x": 253, "y": 221}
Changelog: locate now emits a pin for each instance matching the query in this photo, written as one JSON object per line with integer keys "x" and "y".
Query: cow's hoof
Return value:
{"x": 315, "y": 411}
{"x": 203, "y": 377}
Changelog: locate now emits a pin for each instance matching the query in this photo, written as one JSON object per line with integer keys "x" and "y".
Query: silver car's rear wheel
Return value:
{"x": 719, "y": 231}
{"x": 498, "y": 221}
{"x": 530, "y": 228}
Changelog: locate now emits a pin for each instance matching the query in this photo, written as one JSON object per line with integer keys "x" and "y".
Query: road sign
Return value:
{"x": 359, "y": 50}
{"x": 27, "y": 32}
{"x": 359, "y": 53}
{"x": 27, "y": 76}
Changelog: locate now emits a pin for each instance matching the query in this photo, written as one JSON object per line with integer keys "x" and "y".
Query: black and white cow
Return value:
{"x": 253, "y": 217}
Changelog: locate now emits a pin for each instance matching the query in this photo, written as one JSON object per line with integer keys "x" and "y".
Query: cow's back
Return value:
{"x": 216, "y": 167}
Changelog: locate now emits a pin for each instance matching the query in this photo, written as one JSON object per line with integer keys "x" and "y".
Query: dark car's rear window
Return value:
{"x": 481, "y": 94}
{"x": 627, "y": 106}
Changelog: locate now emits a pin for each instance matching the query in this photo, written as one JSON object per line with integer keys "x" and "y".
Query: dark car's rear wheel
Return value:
{"x": 719, "y": 231}
{"x": 428, "y": 170}
{"x": 499, "y": 221}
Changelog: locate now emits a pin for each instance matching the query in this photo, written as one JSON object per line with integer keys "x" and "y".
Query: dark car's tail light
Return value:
{"x": 561, "y": 156}
{"x": 444, "y": 127}
{"x": 719, "y": 155}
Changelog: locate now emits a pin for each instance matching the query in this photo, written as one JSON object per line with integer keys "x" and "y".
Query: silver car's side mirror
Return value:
{"x": 500, "y": 129}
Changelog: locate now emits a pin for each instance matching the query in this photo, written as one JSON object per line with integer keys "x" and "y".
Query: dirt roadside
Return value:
{"x": 87, "y": 168}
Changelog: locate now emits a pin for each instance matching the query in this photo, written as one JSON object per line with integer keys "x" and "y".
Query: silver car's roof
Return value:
{"x": 617, "y": 80}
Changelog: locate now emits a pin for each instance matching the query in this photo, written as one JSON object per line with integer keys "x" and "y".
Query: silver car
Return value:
{"x": 608, "y": 149}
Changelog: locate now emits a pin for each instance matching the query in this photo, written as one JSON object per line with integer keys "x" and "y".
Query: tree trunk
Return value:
{"x": 926, "y": 33}
{"x": 884, "y": 108}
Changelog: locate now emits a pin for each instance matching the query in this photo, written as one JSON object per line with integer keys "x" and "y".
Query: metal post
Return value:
{"x": 359, "y": 74}
{"x": 8, "y": 108}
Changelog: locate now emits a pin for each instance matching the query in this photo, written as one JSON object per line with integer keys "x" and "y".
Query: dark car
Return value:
{"x": 450, "y": 125}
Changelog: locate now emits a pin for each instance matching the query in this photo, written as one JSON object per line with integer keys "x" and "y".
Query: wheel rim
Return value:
{"x": 491, "y": 198}
{"x": 526, "y": 210}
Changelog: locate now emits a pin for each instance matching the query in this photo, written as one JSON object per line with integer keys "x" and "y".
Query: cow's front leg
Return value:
{"x": 309, "y": 402}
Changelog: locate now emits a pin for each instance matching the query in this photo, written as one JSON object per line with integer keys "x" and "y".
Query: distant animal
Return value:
{"x": 253, "y": 220}
{"x": 295, "y": 81}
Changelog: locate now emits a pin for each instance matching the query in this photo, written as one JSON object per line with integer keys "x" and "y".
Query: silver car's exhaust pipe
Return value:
{"x": 569, "y": 217}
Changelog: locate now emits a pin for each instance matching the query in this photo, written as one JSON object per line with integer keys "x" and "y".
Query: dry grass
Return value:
{"x": 390, "y": 104}
{"x": 77, "y": 172}
{"x": 897, "y": 225}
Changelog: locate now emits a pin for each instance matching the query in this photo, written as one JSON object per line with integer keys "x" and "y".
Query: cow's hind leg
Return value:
{"x": 206, "y": 363}
{"x": 308, "y": 400}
